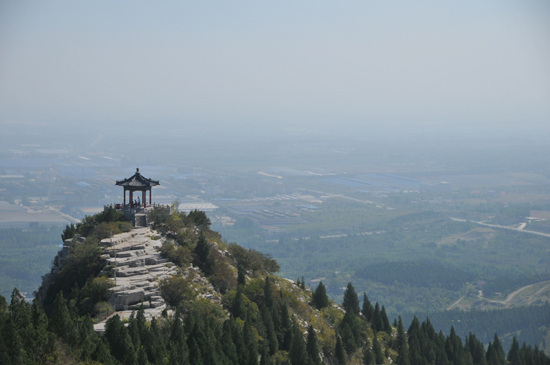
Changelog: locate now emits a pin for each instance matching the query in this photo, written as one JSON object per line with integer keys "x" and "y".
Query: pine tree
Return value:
{"x": 60, "y": 321}
{"x": 133, "y": 331}
{"x": 228, "y": 345}
{"x": 155, "y": 344}
{"x": 351, "y": 302}
{"x": 476, "y": 350}
{"x": 350, "y": 332}
{"x": 378, "y": 355}
{"x": 179, "y": 350}
{"x": 285, "y": 334}
{"x": 368, "y": 355}
{"x": 500, "y": 356}
{"x": 348, "y": 340}
{"x": 119, "y": 341}
{"x": 320, "y": 298}
{"x": 514, "y": 356}
{"x": 251, "y": 344}
{"x": 237, "y": 306}
{"x": 377, "y": 322}
{"x": 202, "y": 255}
{"x": 385, "y": 321}
{"x": 269, "y": 298}
{"x": 402, "y": 345}
{"x": 271, "y": 337}
{"x": 312, "y": 347}
{"x": 195, "y": 353}
{"x": 13, "y": 351}
{"x": 339, "y": 352}
{"x": 86, "y": 337}
{"x": 241, "y": 275}
{"x": 368, "y": 309}
{"x": 298, "y": 352}
{"x": 265, "y": 357}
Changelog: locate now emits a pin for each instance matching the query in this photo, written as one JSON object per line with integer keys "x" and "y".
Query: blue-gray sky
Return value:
{"x": 294, "y": 62}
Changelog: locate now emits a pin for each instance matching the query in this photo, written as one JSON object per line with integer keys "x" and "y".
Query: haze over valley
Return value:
{"x": 400, "y": 148}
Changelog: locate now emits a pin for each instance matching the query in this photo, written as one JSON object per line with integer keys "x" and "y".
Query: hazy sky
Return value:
{"x": 266, "y": 62}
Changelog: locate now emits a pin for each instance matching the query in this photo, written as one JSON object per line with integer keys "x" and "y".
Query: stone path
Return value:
{"x": 135, "y": 261}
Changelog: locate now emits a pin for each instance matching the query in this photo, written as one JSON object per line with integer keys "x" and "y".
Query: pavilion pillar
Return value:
{"x": 124, "y": 198}
{"x": 131, "y": 198}
{"x": 150, "y": 201}
{"x": 144, "y": 198}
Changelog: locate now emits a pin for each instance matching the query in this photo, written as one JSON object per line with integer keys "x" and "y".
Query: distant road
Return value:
{"x": 67, "y": 217}
{"x": 519, "y": 229}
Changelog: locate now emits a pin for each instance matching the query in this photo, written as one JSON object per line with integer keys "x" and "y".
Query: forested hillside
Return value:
{"x": 261, "y": 318}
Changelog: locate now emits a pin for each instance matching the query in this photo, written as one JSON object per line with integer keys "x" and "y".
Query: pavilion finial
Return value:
{"x": 137, "y": 169}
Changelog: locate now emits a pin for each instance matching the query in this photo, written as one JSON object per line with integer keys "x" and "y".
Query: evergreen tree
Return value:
{"x": 155, "y": 344}
{"x": 265, "y": 357}
{"x": 351, "y": 302}
{"x": 202, "y": 255}
{"x": 347, "y": 338}
{"x": 312, "y": 347}
{"x": 86, "y": 337}
{"x": 271, "y": 337}
{"x": 238, "y": 339}
{"x": 241, "y": 275}
{"x": 415, "y": 342}
{"x": 101, "y": 353}
{"x": 179, "y": 351}
{"x": 339, "y": 352}
{"x": 228, "y": 345}
{"x": 368, "y": 309}
{"x": 285, "y": 334}
{"x": 133, "y": 331}
{"x": 269, "y": 298}
{"x": 60, "y": 321}
{"x": 350, "y": 332}
{"x": 12, "y": 351}
{"x": 378, "y": 355}
{"x": 119, "y": 341}
{"x": 514, "y": 355}
{"x": 320, "y": 298}
{"x": 377, "y": 322}
{"x": 368, "y": 355}
{"x": 476, "y": 350}
{"x": 499, "y": 357}
{"x": 251, "y": 345}
{"x": 195, "y": 353}
{"x": 237, "y": 306}
{"x": 142, "y": 357}
{"x": 402, "y": 345}
{"x": 385, "y": 321}
{"x": 298, "y": 352}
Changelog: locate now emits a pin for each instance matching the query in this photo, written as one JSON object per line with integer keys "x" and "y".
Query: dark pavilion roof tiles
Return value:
{"x": 137, "y": 181}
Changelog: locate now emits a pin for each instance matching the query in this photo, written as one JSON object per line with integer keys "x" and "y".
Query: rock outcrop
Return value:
{"x": 134, "y": 263}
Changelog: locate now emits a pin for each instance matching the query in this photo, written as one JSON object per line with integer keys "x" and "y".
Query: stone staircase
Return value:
{"x": 134, "y": 262}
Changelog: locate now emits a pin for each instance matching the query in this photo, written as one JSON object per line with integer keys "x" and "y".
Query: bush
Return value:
{"x": 103, "y": 310}
{"x": 180, "y": 255}
{"x": 176, "y": 289}
{"x": 253, "y": 260}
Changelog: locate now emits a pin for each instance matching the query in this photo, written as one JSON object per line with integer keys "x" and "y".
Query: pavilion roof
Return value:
{"x": 137, "y": 181}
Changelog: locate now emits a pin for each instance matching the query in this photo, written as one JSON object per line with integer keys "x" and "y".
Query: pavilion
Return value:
{"x": 137, "y": 183}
